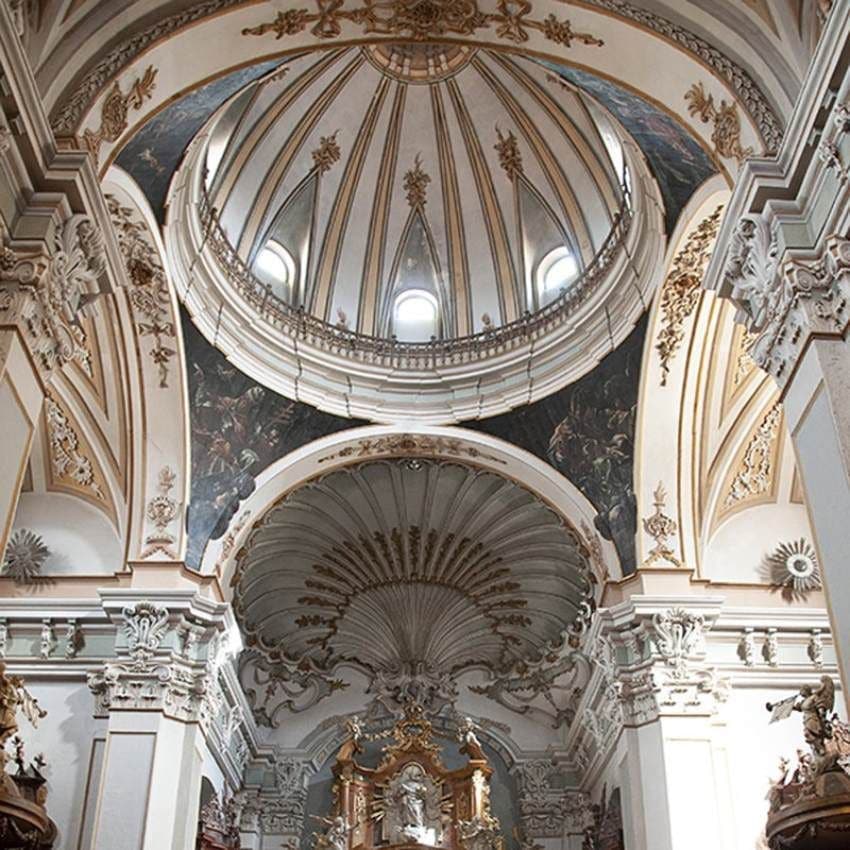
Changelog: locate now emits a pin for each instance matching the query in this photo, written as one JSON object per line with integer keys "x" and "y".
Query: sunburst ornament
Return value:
{"x": 25, "y": 556}
{"x": 793, "y": 567}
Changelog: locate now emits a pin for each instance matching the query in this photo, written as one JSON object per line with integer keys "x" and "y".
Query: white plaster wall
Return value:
{"x": 80, "y": 537}
{"x": 738, "y": 548}
{"x": 66, "y": 737}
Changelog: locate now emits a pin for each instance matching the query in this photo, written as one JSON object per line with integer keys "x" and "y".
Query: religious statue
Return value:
{"x": 410, "y": 798}
{"x": 813, "y": 800}
{"x": 816, "y": 705}
{"x": 466, "y": 735}
{"x": 15, "y": 697}
{"x": 335, "y": 837}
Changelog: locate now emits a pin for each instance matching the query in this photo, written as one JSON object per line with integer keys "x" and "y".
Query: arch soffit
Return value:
{"x": 380, "y": 441}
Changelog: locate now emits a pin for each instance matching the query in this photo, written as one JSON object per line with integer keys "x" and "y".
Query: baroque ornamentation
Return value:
{"x": 682, "y": 289}
{"x": 410, "y": 444}
{"x": 145, "y": 626}
{"x": 161, "y": 511}
{"x": 547, "y": 809}
{"x": 510, "y": 157}
{"x": 783, "y": 307}
{"x": 149, "y": 295}
{"x": 809, "y": 805}
{"x": 420, "y": 20}
{"x": 340, "y": 585}
{"x": 755, "y": 473}
{"x": 26, "y": 553}
{"x": 660, "y": 528}
{"x": 49, "y": 295}
{"x": 68, "y": 463}
{"x": 793, "y": 568}
{"x": 416, "y": 185}
{"x": 116, "y": 108}
{"x": 677, "y": 637}
{"x": 726, "y": 134}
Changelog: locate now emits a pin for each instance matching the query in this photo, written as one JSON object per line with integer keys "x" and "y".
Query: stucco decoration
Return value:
{"x": 410, "y": 571}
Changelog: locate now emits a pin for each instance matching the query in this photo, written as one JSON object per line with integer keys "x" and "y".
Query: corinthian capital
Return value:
{"x": 783, "y": 305}
{"x": 46, "y": 293}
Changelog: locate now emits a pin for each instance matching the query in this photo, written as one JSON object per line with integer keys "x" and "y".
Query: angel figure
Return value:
{"x": 466, "y": 735}
{"x": 816, "y": 704}
{"x": 14, "y": 697}
{"x": 335, "y": 837}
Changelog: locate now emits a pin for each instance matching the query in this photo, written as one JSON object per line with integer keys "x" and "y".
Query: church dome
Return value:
{"x": 423, "y": 210}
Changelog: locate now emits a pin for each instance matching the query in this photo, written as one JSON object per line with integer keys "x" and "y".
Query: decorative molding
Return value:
{"x": 326, "y": 154}
{"x": 421, "y": 21}
{"x": 116, "y": 108}
{"x": 67, "y": 461}
{"x": 783, "y": 306}
{"x": 401, "y": 445}
{"x": 757, "y": 466}
{"x": 26, "y": 553}
{"x": 726, "y": 134}
{"x": 416, "y": 185}
{"x": 660, "y": 528}
{"x": 510, "y": 157}
{"x": 162, "y": 509}
{"x": 793, "y": 568}
{"x": 48, "y": 294}
{"x": 145, "y": 627}
{"x": 149, "y": 293}
{"x": 682, "y": 288}
{"x": 547, "y": 808}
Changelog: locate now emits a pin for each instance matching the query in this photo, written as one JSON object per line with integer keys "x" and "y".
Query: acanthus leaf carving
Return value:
{"x": 149, "y": 294}
{"x": 726, "y": 132}
{"x": 145, "y": 627}
{"x": 423, "y": 19}
{"x": 67, "y": 460}
{"x": 114, "y": 114}
{"x": 681, "y": 292}
{"x": 161, "y": 511}
{"x": 50, "y": 293}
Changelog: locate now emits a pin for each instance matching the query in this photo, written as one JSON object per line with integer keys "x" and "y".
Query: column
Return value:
{"x": 160, "y": 697}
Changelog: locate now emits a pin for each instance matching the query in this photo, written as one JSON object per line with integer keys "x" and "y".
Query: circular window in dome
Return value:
{"x": 557, "y": 270}
{"x": 274, "y": 266}
{"x": 415, "y": 316}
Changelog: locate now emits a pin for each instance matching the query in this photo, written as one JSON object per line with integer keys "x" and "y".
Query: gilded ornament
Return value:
{"x": 326, "y": 154}
{"x": 149, "y": 295}
{"x": 682, "y": 289}
{"x": 26, "y": 553}
{"x": 116, "y": 109}
{"x": 510, "y": 157}
{"x": 726, "y": 134}
{"x": 416, "y": 185}
{"x": 407, "y": 444}
{"x": 660, "y": 528}
{"x": 755, "y": 473}
{"x": 420, "y": 20}
{"x": 67, "y": 461}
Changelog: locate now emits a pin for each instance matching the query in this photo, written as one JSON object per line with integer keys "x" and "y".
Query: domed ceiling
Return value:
{"x": 347, "y": 179}
{"x": 411, "y": 571}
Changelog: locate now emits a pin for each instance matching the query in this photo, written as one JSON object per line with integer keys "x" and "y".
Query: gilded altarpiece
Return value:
{"x": 410, "y": 801}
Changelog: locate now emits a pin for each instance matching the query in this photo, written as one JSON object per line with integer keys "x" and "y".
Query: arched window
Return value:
{"x": 416, "y": 316}
{"x": 556, "y": 272}
{"x": 274, "y": 266}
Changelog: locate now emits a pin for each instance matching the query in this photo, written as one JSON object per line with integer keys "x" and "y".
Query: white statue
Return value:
{"x": 411, "y": 799}
{"x": 335, "y": 837}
